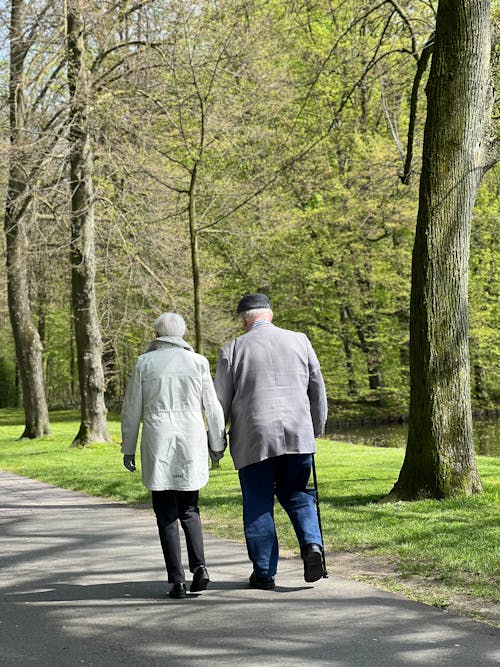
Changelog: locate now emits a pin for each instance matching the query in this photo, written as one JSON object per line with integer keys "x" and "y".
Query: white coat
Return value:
{"x": 170, "y": 389}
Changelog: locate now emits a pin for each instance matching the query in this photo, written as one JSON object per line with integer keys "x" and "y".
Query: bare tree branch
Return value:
{"x": 492, "y": 155}
{"x": 422, "y": 63}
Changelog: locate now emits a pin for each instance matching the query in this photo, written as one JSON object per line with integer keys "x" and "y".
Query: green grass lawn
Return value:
{"x": 454, "y": 542}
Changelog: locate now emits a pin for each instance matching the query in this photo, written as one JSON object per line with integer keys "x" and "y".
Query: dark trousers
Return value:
{"x": 170, "y": 506}
{"x": 286, "y": 477}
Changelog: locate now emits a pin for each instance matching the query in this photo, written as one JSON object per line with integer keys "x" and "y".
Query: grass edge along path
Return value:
{"x": 444, "y": 553}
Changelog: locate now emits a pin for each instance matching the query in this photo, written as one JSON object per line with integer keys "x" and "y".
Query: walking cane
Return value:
{"x": 318, "y": 512}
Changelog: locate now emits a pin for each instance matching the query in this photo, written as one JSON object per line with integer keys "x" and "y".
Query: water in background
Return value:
{"x": 486, "y": 436}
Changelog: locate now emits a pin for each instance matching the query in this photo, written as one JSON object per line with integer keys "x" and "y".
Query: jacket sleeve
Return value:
{"x": 317, "y": 393}
{"x": 224, "y": 384}
{"x": 131, "y": 412}
{"x": 213, "y": 412}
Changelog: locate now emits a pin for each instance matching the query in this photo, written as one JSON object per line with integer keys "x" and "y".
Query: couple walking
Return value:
{"x": 268, "y": 386}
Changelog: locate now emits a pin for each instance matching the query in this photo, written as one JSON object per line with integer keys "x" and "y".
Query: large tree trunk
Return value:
{"x": 439, "y": 459}
{"x": 93, "y": 425}
{"x": 27, "y": 340}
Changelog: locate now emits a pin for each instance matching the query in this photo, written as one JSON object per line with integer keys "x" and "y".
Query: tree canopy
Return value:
{"x": 235, "y": 146}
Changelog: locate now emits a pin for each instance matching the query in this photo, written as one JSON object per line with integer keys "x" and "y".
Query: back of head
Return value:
{"x": 170, "y": 324}
{"x": 253, "y": 307}
{"x": 256, "y": 301}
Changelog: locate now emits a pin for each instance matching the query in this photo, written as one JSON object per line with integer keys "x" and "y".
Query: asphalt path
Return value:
{"x": 82, "y": 582}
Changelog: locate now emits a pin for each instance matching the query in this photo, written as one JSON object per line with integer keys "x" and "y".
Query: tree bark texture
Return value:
{"x": 27, "y": 341}
{"x": 439, "y": 459}
{"x": 93, "y": 424}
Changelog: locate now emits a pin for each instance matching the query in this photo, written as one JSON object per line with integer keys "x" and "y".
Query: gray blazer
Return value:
{"x": 270, "y": 386}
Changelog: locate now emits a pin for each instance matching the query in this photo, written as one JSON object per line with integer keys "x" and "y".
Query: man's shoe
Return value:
{"x": 177, "y": 590}
{"x": 263, "y": 584}
{"x": 200, "y": 579}
{"x": 313, "y": 562}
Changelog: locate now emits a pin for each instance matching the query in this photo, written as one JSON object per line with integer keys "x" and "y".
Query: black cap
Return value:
{"x": 252, "y": 301}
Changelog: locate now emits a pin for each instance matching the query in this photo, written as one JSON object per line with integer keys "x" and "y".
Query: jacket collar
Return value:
{"x": 259, "y": 323}
{"x": 174, "y": 341}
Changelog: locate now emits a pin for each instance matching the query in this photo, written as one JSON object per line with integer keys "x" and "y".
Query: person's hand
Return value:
{"x": 129, "y": 462}
{"x": 215, "y": 456}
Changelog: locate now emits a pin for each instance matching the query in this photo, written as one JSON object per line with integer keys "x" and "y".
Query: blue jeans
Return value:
{"x": 287, "y": 477}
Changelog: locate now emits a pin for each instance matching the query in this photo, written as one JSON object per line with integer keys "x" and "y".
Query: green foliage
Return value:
{"x": 60, "y": 361}
{"x": 284, "y": 125}
{"x": 7, "y": 381}
{"x": 484, "y": 292}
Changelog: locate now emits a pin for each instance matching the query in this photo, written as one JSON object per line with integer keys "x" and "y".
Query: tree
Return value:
{"x": 251, "y": 145}
{"x": 457, "y": 151}
{"x": 93, "y": 425}
{"x": 346, "y": 197}
{"x": 217, "y": 109}
{"x": 22, "y": 173}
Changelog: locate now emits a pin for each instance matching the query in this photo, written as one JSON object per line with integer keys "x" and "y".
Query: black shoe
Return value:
{"x": 313, "y": 562}
{"x": 263, "y": 584}
{"x": 177, "y": 590}
{"x": 200, "y": 579}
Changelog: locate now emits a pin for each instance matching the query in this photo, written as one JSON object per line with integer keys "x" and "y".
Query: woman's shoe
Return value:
{"x": 200, "y": 579}
{"x": 177, "y": 590}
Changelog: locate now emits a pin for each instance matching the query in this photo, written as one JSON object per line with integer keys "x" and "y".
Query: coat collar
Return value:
{"x": 259, "y": 323}
{"x": 175, "y": 341}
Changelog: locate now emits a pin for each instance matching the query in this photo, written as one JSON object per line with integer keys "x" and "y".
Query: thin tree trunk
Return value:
{"x": 367, "y": 333}
{"x": 480, "y": 391}
{"x": 26, "y": 338}
{"x": 439, "y": 459}
{"x": 352, "y": 387}
{"x": 404, "y": 348}
{"x": 42, "y": 305}
{"x": 195, "y": 263}
{"x": 73, "y": 368}
{"x": 93, "y": 425}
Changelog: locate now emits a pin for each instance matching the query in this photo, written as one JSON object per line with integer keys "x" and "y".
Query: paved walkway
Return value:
{"x": 82, "y": 579}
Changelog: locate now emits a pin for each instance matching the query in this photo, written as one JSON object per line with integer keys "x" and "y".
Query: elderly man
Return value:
{"x": 272, "y": 392}
{"x": 170, "y": 390}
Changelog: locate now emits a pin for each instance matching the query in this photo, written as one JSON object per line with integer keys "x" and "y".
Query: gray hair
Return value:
{"x": 251, "y": 315}
{"x": 170, "y": 324}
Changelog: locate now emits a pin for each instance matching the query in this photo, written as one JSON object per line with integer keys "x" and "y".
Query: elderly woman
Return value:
{"x": 170, "y": 390}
